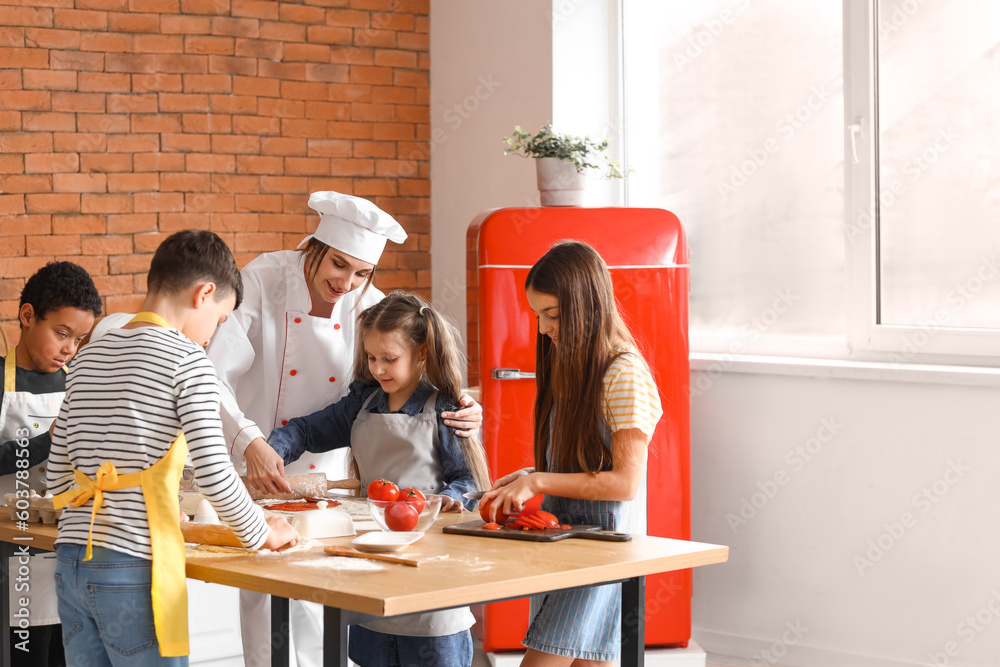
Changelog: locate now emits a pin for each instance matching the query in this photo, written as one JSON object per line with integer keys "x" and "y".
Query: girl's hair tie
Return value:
{"x": 422, "y": 309}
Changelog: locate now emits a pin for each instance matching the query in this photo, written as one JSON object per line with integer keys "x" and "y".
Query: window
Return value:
{"x": 770, "y": 126}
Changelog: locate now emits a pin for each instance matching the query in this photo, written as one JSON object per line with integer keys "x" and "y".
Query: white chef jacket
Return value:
{"x": 279, "y": 362}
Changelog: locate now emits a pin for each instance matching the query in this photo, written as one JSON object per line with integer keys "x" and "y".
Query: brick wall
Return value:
{"x": 122, "y": 121}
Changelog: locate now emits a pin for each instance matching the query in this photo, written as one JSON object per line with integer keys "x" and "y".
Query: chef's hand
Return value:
{"x": 512, "y": 496}
{"x": 265, "y": 469}
{"x": 449, "y": 504}
{"x": 184, "y": 517}
{"x": 281, "y": 536}
{"x": 514, "y": 476}
{"x": 467, "y": 421}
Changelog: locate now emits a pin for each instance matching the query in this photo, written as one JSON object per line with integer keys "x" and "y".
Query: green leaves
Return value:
{"x": 581, "y": 151}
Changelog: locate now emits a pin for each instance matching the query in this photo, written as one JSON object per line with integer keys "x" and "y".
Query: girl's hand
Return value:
{"x": 512, "y": 496}
{"x": 507, "y": 479}
{"x": 265, "y": 469}
{"x": 467, "y": 421}
{"x": 449, "y": 504}
{"x": 281, "y": 536}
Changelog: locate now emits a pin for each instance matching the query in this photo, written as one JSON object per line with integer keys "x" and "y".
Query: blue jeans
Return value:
{"x": 106, "y": 610}
{"x": 376, "y": 649}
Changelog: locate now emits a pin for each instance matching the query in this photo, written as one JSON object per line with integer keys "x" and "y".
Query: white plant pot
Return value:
{"x": 559, "y": 183}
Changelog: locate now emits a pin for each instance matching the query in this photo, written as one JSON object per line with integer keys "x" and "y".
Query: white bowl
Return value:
{"x": 432, "y": 505}
{"x": 385, "y": 541}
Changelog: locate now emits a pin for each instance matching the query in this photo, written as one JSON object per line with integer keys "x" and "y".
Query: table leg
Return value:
{"x": 633, "y": 622}
{"x": 334, "y": 637}
{"x": 281, "y": 632}
{"x": 6, "y": 551}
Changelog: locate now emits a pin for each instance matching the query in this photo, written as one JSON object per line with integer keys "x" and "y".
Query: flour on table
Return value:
{"x": 338, "y": 563}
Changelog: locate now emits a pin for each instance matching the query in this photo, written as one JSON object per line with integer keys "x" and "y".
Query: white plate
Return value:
{"x": 382, "y": 541}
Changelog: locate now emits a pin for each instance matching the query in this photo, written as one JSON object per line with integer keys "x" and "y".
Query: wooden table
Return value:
{"x": 457, "y": 570}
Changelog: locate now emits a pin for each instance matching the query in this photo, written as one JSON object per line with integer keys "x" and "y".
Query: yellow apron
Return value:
{"x": 160, "y": 487}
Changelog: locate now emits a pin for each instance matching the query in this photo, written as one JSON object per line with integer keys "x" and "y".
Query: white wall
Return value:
{"x": 491, "y": 69}
{"x": 843, "y": 546}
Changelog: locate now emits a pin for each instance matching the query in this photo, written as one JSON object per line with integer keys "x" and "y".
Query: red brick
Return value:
{"x": 327, "y": 73}
{"x": 148, "y": 242}
{"x": 281, "y": 108}
{"x": 424, "y": 61}
{"x": 26, "y": 142}
{"x": 209, "y": 45}
{"x": 256, "y": 125}
{"x": 413, "y": 114}
{"x": 185, "y": 182}
{"x": 182, "y": 64}
{"x": 283, "y": 184}
{"x": 10, "y": 79}
{"x": 173, "y": 222}
{"x": 260, "y": 48}
{"x": 45, "y": 38}
{"x": 133, "y": 104}
{"x": 113, "y": 203}
{"x": 49, "y": 163}
{"x": 208, "y": 83}
{"x": 133, "y": 23}
{"x": 78, "y": 102}
{"x": 257, "y": 241}
{"x": 99, "y": 82}
{"x": 373, "y": 113}
{"x": 129, "y": 264}
{"x": 411, "y": 79}
{"x": 12, "y": 36}
{"x": 52, "y": 245}
{"x": 232, "y": 65}
{"x": 156, "y": 161}
{"x": 208, "y": 162}
{"x": 306, "y": 166}
{"x": 215, "y": 7}
{"x": 238, "y": 27}
{"x": 234, "y": 222}
{"x": 48, "y": 121}
{"x": 170, "y": 102}
{"x": 394, "y": 131}
{"x": 198, "y": 123}
{"x": 14, "y": 204}
{"x": 19, "y": 183}
{"x": 25, "y": 100}
{"x": 155, "y": 122}
{"x": 11, "y": 164}
{"x": 12, "y": 246}
{"x": 158, "y": 43}
{"x": 291, "y": 127}
{"x": 102, "y": 123}
{"x": 253, "y": 85}
{"x": 287, "y": 71}
{"x": 235, "y": 183}
{"x": 141, "y": 182}
{"x": 60, "y": 60}
{"x": 77, "y": 19}
{"x": 393, "y": 95}
{"x": 259, "y": 204}
{"x": 318, "y": 53}
{"x": 109, "y": 42}
{"x": 283, "y": 222}
{"x": 186, "y": 25}
{"x": 106, "y": 245}
{"x": 352, "y": 167}
{"x": 113, "y": 285}
{"x": 186, "y": 143}
{"x": 28, "y": 17}
{"x": 325, "y": 34}
{"x": 23, "y": 267}
{"x": 157, "y": 83}
{"x": 330, "y": 148}
{"x": 79, "y": 183}
{"x": 20, "y": 225}
{"x": 413, "y": 40}
{"x": 48, "y": 203}
{"x": 78, "y": 224}
{"x": 350, "y": 93}
{"x": 158, "y": 6}
{"x": 394, "y": 58}
{"x": 256, "y": 164}
{"x": 392, "y": 21}
{"x": 155, "y": 202}
{"x": 226, "y": 104}
{"x": 208, "y": 202}
{"x": 10, "y": 121}
{"x": 421, "y": 24}
{"x": 370, "y": 75}
{"x": 237, "y": 143}
{"x": 282, "y": 32}
{"x": 343, "y": 130}
{"x": 397, "y": 169}
{"x": 10, "y": 289}
{"x": 294, "y": 146}
{"x": 353, "y": 55}
{"x": 300, "y": 14}
{"x": 131, "y": 223}
{"x": 133, "y": 143}
{"x": 107, "y": 163}
{"x": 381, "y": 149}
{"x": 80, "y": 142}
{"x": 376, "y": 38}
{"x": 127, "y": 304}
{"x": 297, "y": 90}
{"x": 257, "y": 9}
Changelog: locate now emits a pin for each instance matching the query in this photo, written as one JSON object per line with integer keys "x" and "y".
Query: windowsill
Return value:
{"x": 717, "y": 364}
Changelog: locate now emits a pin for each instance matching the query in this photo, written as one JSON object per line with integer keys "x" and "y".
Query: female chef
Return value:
{"x": 288, "y": 352}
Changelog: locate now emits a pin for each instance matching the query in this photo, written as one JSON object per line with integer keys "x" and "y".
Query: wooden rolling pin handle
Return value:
{"x": 350, "y": 552}
{"x": 344, "y": 484}
{"x": 209, "y": 533}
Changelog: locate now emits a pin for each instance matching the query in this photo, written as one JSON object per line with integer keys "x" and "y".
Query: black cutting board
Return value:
{"x": 546, "y": 535}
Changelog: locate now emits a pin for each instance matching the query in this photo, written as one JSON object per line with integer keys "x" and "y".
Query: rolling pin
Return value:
{"x": 209, "y": 533}
{"x": 312, "y": 485}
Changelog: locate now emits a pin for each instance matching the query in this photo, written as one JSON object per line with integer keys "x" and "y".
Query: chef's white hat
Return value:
{"x": 353, "y": 225}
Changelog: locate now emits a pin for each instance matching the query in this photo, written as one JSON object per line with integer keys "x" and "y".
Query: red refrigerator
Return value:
{"x": 647, "y": 255}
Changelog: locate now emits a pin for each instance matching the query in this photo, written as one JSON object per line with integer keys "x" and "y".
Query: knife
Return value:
{"x": 474, "y": 495}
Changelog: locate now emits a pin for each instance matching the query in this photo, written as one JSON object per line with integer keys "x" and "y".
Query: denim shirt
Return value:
{"x": 330, "y": 428}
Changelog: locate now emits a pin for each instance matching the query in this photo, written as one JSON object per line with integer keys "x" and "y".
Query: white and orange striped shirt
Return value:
{"x": 630, "y": 398}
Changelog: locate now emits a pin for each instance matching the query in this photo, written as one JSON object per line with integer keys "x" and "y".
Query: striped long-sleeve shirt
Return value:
{"x": 128, "y": 396}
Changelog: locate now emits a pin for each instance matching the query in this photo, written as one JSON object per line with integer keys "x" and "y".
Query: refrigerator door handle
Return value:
{"x": 511, "y": 374}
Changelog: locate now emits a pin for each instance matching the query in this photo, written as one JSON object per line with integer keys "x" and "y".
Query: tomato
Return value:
{"x": 549, "y": 520}
{"x": 383, "y": 489}
{"x": 401, "y": 516}
{"x": 484, "y": 512}
{"x": 492, "y": 526}
{"x": 413, "y": 497}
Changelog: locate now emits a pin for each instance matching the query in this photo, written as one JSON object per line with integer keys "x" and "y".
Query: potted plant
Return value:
{"x": 561, "y": 160}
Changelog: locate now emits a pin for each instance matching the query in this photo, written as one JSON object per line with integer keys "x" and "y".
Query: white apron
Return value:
{"x": 404, "y": 449}
{"x": 22, "y": 416}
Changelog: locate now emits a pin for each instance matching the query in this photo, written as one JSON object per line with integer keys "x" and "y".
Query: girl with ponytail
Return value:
{"x": 407, "y": 372}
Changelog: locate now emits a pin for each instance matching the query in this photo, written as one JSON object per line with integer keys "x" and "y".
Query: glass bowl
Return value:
{"x": 401, "y": 514}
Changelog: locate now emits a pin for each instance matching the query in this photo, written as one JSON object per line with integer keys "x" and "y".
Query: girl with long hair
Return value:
{"x": 595, "y": 412}
{"x": 408, "y": 371}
